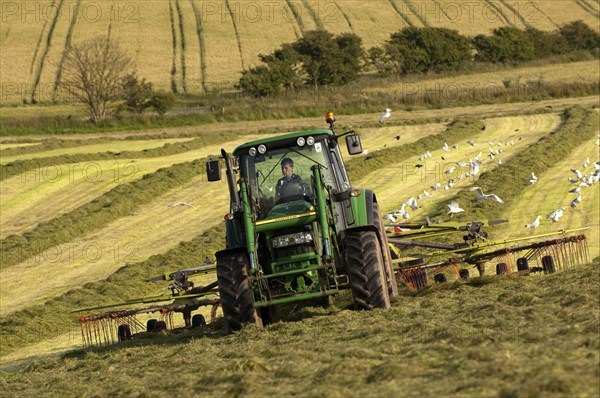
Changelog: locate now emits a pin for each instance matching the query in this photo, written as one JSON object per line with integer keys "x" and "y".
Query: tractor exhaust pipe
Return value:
{"x": 231, "y": 182}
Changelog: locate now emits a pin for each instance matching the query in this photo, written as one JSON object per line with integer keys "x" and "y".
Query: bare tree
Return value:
{"x": 93, "y": 73}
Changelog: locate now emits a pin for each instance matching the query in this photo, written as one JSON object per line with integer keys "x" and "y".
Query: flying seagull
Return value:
{"x": 387, "y": 113}
{"x": 535, "y": 223}
{"x": 480, "y": 196}
{"x": 182, "y": 204}
{"x": 454, "y": 209}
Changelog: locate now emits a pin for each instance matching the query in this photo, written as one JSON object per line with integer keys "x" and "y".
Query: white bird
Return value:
{"x": 480, "y": 196}
{"x": 427, "y": 194}
{"x": 535, "y": 223}
{"x": 533, "y": 178}
{"x": 576, "y": 201}
{"x": 445, "y": 147}
{"x": 446, "y": 187}
{"x": 428, "y": 154}
{"x": 491, "y": 143}
{"x": 575, "y": 190}
{"x": 412, "y": 203}
{"x": 577, "y": 173}
{"x": 454, "y": 209}
{"x": 471, "y": 142}
{"x": 478, "y": 156}
{"x": 586, "y": 163}
{"x": 181, "y": 204}
{"x": 387, "y": 113}
{"x": 499, "y": 162}
{"x": 556, "y": 214}
{"x": 450, "y": 170}
{"x": 455, "y": 146}
{"x": 572, "y": 180}
{"x": 390, "y": 217}
{"x": 512, "y": 142}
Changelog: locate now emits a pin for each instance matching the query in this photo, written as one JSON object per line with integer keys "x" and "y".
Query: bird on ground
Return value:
{"x": 455, "y": 146}
{"x": 401, "y": 212}
{"x": 575, "y": 190}
{"x": 181, "y": 204}
{"x": 535, "y": 223}
{"x": 556, "y": 214}
{"x": 480, "y": 196}
{"x": 397, "y": 138}
{"x": 386, "y": 114}
{"x": 389, "y": 217}
{"x": 577, "y": 173}
{"x": 427, "y": 194}
{"x": 450, "y": 170}
{"x": 576, "y": 201}
{"x": 586, "y": 163}
{"x": 533, "y": 178}
{"x": 445, "y": 147}
{"x": 572, "y": 180}
{"x": 412, "y": 203}
{"x": 418, "y": 165}
{"x": 454, "y": 209}
{"x": 470, "y": 142}
{"x": 499, "y": 162}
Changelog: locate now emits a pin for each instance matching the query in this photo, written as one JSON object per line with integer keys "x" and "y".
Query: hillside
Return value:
{"x": 509, "y": 336}
{"x": 194, "y": 46}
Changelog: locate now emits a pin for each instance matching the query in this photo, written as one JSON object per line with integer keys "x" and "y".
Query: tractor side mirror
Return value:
{"x": 353, "y": 144}
{"x": 213, "y": 170}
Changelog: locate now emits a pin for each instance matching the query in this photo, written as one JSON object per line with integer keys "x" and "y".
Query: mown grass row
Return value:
{"x": 56, "y": 143}
{"x": 118, "y": 202}
{"x": 38, "y": 323}
{"x": 22, "y": 166}
{"x": 512, "y": 177}
{"x": 459, "y": 129}
{"x": 509, "y": 336}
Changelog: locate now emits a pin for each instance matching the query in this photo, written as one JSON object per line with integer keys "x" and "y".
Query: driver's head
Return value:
{"x": 287, "y": 167}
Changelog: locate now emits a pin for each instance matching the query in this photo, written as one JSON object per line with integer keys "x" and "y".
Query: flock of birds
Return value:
{"x": 581, "y": 181}
{"x": 472, "y": 168}
{"x": 456, "y": 173}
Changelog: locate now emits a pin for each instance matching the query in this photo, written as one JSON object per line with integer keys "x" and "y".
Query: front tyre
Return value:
{"x": 366, "y": 269}
{"x": 234, "y": 290}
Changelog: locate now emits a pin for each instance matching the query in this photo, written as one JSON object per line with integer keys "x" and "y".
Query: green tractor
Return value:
{"x": 297, "y": 229}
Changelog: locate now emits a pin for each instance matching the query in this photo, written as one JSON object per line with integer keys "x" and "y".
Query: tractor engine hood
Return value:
{"x": 286, "y": 215}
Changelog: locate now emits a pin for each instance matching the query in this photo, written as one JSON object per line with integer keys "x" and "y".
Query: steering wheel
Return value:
{"x": 292, "y": 190}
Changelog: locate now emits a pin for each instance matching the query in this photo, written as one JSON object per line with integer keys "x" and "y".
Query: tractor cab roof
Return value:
{"x": 281, "y": 140}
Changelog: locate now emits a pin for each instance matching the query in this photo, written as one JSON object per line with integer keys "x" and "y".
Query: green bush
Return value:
{"x": 506, "y": 45}
{"x": 137, "y": 93}
{"x": 162, "y": 102}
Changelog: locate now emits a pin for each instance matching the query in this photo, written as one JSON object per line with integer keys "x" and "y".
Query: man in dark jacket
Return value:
{"x": 290, "y": 185}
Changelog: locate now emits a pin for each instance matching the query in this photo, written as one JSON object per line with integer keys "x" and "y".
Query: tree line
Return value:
{"x": 321, "y": 58}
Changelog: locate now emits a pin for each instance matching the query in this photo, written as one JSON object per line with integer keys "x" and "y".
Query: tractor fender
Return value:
{"x": 362, "y": 208}
{"x": 230, "y": 251}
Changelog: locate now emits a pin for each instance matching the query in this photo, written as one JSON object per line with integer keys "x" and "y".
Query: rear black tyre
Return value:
{"x": 124, "y": 332}
{"x": 150, "y": 324}
{"x": 234, "y": 290}
{"x": 159, "y": 325}
{"x": 548, "y": 265}
{"x": 440, "y": 278}
{"x": 522, "y": 264}
{"x": 366, "y": 269}
{"x": 464, "y": 274}
{"x": 385, "y": 250}
{"x": 198, "y": 321}
{"x": 501, "y": 268}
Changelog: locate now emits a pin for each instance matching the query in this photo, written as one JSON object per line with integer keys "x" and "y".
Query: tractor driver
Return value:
{"x": 290, "y": 185}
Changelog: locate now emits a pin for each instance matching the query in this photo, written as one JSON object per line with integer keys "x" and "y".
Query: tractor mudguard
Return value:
{"x": 229, "y": 252}
{"x": 362, "y": 208}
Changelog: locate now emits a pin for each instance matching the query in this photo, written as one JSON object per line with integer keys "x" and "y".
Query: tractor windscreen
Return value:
{"x": 282, "y": 175}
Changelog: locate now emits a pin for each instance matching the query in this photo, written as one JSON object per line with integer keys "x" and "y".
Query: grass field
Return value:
{"x": 95, "y": 260}
{"x": 200, "y": 46}
{"x": 497, "y": 336}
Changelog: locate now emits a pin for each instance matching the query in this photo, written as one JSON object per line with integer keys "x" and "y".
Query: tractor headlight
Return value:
{"x": 292, "y": 239}
{"x": 252, "y": 151}
{"x": 300, "y": 141}
{"x": 310, "y": 140}
{"x": 262, "y": 149}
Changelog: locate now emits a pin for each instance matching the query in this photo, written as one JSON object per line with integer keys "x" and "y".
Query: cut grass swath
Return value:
{"x": 398, "y": 11}
{"x": 313, "y": 15}
{"x": 292, "y": 6}
{"x": 114, "y": 204}
{"x": 202, "y": 45}
{"x": 174, "y": 47}
{"x": 42, "y": 322}
{"x": 236, "y": 31}
{"x": 182, "y": 52}
{"x": 68, "y": 39}
{"x": 345, "y": 17}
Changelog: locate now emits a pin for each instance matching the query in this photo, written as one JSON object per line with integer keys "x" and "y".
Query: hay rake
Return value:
{"x": 119, "y": 325}
{"x": 512, "y": 255}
